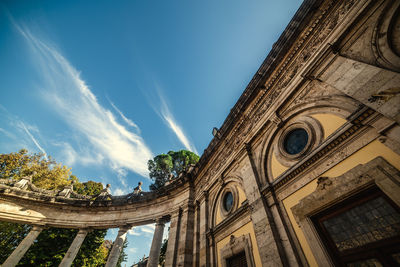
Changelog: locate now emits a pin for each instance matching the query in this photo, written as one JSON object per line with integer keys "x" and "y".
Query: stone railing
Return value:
{"x": 23, "y": 202}
{"x": 26, "y": 189}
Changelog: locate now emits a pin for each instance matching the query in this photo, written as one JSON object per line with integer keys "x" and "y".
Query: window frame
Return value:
{"x": 379, "y": 249}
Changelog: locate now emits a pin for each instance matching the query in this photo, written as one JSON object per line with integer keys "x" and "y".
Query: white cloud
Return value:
{"x": 126, "y": 120}
{"x": 148, "y": 228}
{"x": 69, "y": 95}
{"x": 134, "y": 232}
{"x": 23, "y": 126}
{"x": 132, "y": 250}
{"x": 173, "y": 125}
{"x": 69, "y": 156}
{"x": 119, "y": 192}
{"x": 7, "y": 133}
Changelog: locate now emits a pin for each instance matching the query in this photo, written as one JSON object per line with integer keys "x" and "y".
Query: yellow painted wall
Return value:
{"x": 242, "y": 196}
{"x": 244, "y": 230}
{"x": 330, "y": 122}
{"x": 364, "y": 155}
{"x": 218, "y": 215}
{"x": 276, "y": 168}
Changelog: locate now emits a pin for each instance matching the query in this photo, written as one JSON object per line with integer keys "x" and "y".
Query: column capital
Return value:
{"x": 124, "y": 228}
{"x": 84, "y": 231}
{"x": 37, "y": 227}
{"x": 161, "y": 221}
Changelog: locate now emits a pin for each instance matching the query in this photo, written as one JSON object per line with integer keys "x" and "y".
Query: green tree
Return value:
{"x": 163, "y": 166}
{"x": 52, "y": 244}
{"x": 46, "y": 173}
{"x": 163, "y": 251}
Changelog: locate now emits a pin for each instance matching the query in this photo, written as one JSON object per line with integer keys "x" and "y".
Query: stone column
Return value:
{"x": 173, "y": 238}
{"x": 74, "y": 248}
{"x": 23, "y": 247}
{"x": 117, "y": 247}
{"x": 156, "y": 244}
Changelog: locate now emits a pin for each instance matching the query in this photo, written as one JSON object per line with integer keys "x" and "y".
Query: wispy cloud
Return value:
{"x": 132, "y": 250}
{"x": 133, "y": 231}
{"x": 169, "y": 119}
{"x": 33, "y": 139}
{"x": 7, "y": 133}
{"x": 126, "y": 120}
{"x": 19, "y": 134}
{"x": 119, "y": 192}
{"x": 70, "y": 96}
{"x": 70, "y": 156}
{"x": 142, "y": 230}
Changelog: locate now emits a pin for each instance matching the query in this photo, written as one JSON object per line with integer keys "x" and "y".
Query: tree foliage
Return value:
{"x": 52, "y": 244}
{"x": 46, "y": 173}
{"x": 164, "y": 166}
{"x": 163, "y": 252}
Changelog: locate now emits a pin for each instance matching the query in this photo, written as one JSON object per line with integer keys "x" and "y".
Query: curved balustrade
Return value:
{"x": 22, "y": 202}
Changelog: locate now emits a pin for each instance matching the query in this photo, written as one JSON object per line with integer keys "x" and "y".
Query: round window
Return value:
{"x": 295, "y": 141}
{"x": 228, "y": 201}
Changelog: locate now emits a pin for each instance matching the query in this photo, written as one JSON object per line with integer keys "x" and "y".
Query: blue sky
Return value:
{"x": 103, "y": 86}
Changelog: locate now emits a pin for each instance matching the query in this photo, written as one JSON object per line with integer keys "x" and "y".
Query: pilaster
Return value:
{"x": 185, "y": 245}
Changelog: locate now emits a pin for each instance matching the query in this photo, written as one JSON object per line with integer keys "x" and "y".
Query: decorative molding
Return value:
{"x": 315, "y": 136}
{"x": 298, "y": 169}
{"x": 385, "y": 31}
{"x": 240, "y": 122}
{"x": 235, "y": 246}
{"x": 241, "y": 212}
{"x": 330, "y": 191}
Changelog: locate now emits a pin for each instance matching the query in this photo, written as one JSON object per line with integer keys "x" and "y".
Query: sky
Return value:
{"x": 104, "y": 86}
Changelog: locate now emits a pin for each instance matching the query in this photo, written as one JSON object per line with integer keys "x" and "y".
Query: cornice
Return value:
{"x": 293, "y": 49}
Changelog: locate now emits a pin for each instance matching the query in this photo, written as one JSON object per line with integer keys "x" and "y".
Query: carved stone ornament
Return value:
{"x": 235, "y": 246}
{"x": 331, "y": 191}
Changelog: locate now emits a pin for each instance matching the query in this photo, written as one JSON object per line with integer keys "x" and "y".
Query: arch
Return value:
{"x": 305, "y": 109}
{"x": 230, "y": 180}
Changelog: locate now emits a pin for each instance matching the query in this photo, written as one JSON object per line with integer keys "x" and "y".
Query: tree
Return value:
{"x": 46, "y": 173}
{"x": 52, "y": 244}
{"x": 163, "y": 166}
{"x": 163, "y": 251}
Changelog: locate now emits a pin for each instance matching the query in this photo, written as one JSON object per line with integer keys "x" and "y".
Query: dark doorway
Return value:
{"x": 238, "y": 260}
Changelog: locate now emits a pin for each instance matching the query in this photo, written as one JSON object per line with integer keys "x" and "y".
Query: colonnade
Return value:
{"x": 69, "y": 257}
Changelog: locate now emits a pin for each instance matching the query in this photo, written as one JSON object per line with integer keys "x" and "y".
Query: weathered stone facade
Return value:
{"x": 333, "y": 76}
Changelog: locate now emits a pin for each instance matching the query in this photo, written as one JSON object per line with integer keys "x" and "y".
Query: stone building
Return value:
{"x": 304, "y": 170}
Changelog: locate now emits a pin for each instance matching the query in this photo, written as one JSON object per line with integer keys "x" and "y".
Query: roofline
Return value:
{"x": 278, "y": 51}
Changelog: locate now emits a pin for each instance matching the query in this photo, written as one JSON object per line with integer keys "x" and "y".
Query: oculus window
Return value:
{"x": 295, "y": 141}
{"x": 228, "y": 201}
